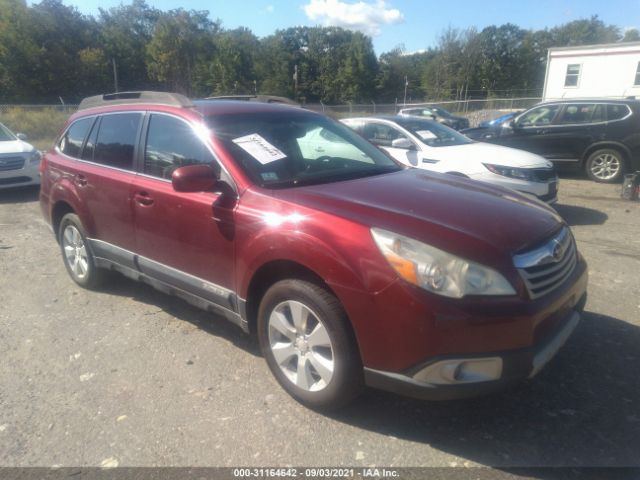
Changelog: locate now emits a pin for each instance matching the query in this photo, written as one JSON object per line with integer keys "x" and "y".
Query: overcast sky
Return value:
{"x": 416, "y": 24}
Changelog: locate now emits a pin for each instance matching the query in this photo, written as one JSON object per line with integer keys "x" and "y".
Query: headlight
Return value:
{"x": 438, "y": 271}
{"x": 512, "y": 172}
{"x": 34, "y": 157}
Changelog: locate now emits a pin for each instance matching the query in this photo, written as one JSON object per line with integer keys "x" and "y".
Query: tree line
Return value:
{"x": 50, "y": 52}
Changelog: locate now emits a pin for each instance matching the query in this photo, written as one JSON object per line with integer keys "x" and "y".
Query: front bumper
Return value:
{"x": 28, "y": 174}
{"x": 544, "y": 191}
{"x": 515, "y": 366}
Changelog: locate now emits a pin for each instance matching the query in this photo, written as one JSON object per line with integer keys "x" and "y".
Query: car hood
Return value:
{"x": 15, "y": 146}
{"x": 488, "y": 153}
{"x": 452, "y": 213}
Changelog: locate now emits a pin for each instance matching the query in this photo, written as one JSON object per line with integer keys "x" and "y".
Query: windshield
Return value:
{"x": 287, "y": 149}
{"x": 6, "y": 135}
{"x": 434, "y": 134}
{"x": 441, "y": 111}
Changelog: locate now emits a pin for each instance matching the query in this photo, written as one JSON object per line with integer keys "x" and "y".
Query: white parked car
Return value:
{"x": 19, "y": 160}
{"x": 430, "y": 145}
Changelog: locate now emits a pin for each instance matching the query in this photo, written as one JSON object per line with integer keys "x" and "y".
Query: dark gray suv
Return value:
{"x": 601, "y": 136}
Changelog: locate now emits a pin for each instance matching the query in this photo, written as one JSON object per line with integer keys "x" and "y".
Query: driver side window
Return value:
{"x": 381, "y": 135}
{"x": 171, "y": 144}
{"x": 543, "y": 115}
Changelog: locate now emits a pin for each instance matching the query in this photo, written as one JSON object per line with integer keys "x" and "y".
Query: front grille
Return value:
{"x": 11, "y": 163}
{"x": 547, "y": 267}
{"x": 12, "y": 180}
{"x": 543, "y": 174}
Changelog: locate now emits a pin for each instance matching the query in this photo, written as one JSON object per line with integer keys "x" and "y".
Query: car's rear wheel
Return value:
{"x": 605, "y": 166}
{"x": 76, "y": 253}
{"x": 306, "y": 341}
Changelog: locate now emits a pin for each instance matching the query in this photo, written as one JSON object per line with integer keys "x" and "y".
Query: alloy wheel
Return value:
{"x": 75, "y": 252}
{"x": 301, "y": 345}
{"x": 605, "y": 166}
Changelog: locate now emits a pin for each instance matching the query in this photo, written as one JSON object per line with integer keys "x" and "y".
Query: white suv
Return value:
{"x": 430, "y": 145}
{"x": 19, "y": 160}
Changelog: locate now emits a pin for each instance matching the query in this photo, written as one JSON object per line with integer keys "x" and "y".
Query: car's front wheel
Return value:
{"x": 306, "y": 341}
{"x": 605, "y": 166}
{"x": 76, "y": 253}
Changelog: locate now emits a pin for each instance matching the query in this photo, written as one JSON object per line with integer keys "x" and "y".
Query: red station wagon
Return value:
{"x": 352, "y": 270}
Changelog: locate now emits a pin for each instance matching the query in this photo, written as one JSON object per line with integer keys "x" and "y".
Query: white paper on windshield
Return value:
{"x": 426, "y": 134}
{"x": 259, "y": 148}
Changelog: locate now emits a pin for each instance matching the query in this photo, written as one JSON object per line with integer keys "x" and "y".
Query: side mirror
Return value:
{"x": 403, "y": 143}
{"x": 21, "y": 136}
{"x": 194, "y": 178}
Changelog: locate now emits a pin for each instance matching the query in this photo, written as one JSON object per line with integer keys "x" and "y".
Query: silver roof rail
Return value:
{"x": 122, "y": 98}
{"x": 256, "y": 98}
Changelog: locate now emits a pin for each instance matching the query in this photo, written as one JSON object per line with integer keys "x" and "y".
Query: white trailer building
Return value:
{"x": 611, "y": 70}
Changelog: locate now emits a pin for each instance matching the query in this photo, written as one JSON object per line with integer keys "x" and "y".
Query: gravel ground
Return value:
{"x": 128, "y": 376}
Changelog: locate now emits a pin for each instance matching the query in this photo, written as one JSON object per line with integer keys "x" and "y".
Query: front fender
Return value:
{"x": 301, "y": 248}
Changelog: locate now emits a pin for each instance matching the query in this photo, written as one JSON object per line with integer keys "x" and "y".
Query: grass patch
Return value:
{"x": 41, "y": 125}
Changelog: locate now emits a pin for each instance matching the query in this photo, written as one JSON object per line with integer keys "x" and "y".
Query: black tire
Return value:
{"x": 71, "y": 234}
{"x": 346, "y": 381}
{"x": 606, "y": 165}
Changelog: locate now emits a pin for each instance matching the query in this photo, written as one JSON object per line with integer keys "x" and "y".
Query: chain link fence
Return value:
{"x": 42, "y": 123}
{"x": 476, "y": 110}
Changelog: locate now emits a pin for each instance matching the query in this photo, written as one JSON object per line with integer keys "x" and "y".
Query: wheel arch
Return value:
{"x": 268, "y": 274}
{"x": 624, "y": 150}
{"x": 59, "y": 210}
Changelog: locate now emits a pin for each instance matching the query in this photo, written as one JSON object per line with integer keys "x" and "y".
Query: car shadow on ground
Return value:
{"x": 575, "y": 215}
{"x": 583, "y": 409}
{"x": 209, "y": 322}
{"x": 19, "y": 195}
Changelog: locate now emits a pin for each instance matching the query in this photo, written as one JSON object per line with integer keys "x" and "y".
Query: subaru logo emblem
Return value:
{"x": 558, "y": 251}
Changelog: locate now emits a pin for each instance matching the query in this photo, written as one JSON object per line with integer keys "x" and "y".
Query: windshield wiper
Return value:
{"x": 339, "y": 176}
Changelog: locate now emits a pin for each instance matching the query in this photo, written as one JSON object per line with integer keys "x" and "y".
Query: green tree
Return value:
{"x": 357, "y": 70}
{"x": 631, "y": 35}
{"x": 232, "y": 69}
{"x": 274, "y": 67}
{"x": 182, "y": 40}
{"x": 125, "y": 32}
{"x": 584, "y": 32}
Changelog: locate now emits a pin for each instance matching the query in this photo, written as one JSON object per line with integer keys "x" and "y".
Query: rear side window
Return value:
{"x": 116, "y": 140}
{"x": 171, "y": 144}
{"x": 581, "y": 113}
{"x": 71, "y": 142}
{"x": 616, "y": 112}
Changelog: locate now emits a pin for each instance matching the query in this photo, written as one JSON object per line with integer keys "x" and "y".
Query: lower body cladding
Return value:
{"x": 480, "y": 355}
{"x": 196, "y": 291}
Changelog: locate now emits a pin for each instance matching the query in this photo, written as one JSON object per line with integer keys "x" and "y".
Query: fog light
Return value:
{"x": 467, "y": 370}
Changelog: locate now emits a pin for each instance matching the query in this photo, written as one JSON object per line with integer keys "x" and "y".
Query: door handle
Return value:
{"x": 81, "y": 180}
{"x": 143, "y": 199}
{"x": 319, "y": 149}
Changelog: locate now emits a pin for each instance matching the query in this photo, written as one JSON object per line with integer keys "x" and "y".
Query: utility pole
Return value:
{"x": 115, "y": 74}
{"x": 295, "y": 80}
{"x": 255, "y": 87}
{"x": 406, "y": 84}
